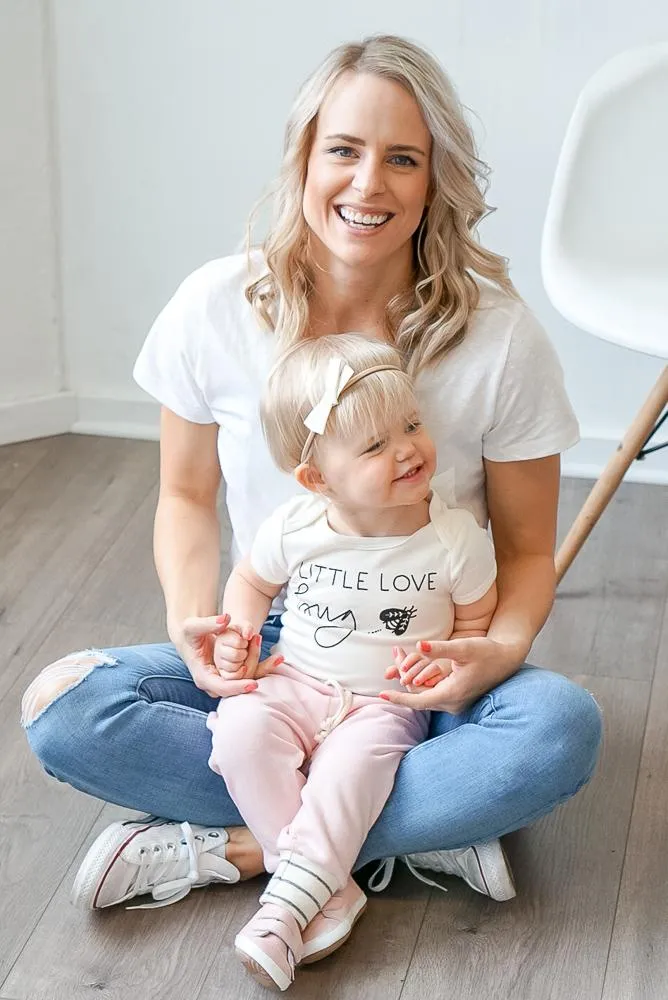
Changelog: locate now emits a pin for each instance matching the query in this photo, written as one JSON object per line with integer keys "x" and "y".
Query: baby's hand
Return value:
{"x": 416, "y": 670}
{"x": 230, "y": 650}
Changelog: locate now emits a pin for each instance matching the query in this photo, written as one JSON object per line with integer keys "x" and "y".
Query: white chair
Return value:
{"x": 605, "y": 240}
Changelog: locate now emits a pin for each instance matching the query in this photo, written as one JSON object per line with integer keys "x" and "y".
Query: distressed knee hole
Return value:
{"x": 58, "y": 678}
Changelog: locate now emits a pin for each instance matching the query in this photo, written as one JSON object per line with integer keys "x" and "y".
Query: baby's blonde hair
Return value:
{"x": 296, "y": 384}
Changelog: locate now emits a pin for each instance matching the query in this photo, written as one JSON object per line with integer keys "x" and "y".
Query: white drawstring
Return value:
{"x": 332, "y": 721}
{"x": 386, "y": 867}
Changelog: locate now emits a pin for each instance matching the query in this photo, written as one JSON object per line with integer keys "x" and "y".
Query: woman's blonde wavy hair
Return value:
{"x": 429, "y": 319}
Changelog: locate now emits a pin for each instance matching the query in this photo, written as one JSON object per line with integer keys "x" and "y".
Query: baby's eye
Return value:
{"x": 376, "y": 446}
{"x": 412, "y": 426}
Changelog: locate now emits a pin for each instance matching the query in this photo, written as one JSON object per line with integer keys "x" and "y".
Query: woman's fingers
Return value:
{"x": 423, "y": 700}
{"x": 213, "y": 625}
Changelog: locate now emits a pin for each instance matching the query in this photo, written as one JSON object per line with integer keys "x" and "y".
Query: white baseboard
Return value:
{"x": 128, "y": 418}
{"x": 139, "y": 418}
{"x": 44, "y": 416}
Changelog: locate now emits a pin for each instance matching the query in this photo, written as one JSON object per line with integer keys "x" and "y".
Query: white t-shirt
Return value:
{"x": 349, "y": 598}
{"x": 497, "y": 395}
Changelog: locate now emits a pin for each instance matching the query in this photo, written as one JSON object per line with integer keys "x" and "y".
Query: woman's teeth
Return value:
{"x": 348, "y": 215}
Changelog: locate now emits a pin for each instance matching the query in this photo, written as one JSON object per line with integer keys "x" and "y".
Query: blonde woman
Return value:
{"x": 374, "y": 230}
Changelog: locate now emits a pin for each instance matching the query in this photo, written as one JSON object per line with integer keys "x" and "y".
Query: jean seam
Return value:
{"x": 173, "y": 705}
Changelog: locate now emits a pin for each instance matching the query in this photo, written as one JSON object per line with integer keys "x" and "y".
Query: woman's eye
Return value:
{"x": 401, "y": 160}
{"x": 344, "y": 152}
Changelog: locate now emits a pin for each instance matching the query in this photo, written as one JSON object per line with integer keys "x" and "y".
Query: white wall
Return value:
{"x": 31, "y": 376}
{"x": 169, "y": 125}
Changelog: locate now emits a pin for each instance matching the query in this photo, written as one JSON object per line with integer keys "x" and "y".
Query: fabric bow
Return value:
{"x": 337, "y": 378}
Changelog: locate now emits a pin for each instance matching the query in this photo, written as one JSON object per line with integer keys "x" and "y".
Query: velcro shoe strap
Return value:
{"x": 301, "y": 886}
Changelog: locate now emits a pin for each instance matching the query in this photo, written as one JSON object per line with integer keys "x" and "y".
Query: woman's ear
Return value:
{"x": 308, "y": 476}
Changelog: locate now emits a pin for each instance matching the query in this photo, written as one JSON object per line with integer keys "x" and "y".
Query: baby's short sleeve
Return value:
{"x": 267, "y": 555}
{"x": 471, "y": 558}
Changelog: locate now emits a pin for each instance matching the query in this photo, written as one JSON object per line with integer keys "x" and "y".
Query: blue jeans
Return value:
{"x": 133, "y": 732}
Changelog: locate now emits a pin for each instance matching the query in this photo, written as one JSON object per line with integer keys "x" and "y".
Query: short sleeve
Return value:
{"x": 472, "y": 562}
{"x": 267, "y": 555}
{"x": 533, "y": 416}
{"x": 169, "y": 365}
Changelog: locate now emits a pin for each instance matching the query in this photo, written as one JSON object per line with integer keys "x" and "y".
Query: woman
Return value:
{"x": 379, "y": 196}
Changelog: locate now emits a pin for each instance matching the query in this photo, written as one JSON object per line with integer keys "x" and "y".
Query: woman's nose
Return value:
{"x": 368, "y": 180}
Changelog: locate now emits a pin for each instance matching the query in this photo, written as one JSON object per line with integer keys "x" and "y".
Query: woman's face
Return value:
{"x": 368, "y": 172}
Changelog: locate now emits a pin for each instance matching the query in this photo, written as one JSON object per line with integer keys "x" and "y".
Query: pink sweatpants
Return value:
{"x": 318, "y": 800}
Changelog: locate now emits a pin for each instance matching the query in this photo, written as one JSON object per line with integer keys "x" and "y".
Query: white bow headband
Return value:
{"x": 340, "y": 377}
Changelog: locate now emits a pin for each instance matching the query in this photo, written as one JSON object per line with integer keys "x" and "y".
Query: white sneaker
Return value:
{"x": 484, "y": 867}
{"x": 152, "y": 856}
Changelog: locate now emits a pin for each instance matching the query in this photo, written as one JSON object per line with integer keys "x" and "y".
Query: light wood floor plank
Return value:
{"x": 609, "y": 607}
{"x": 16, "y": 462}
{"x": 551, "y": 942}
{"x": 638, "y": 966}
{"x": 55, "y": 529}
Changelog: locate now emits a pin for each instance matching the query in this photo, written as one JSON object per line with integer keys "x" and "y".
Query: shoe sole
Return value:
{"x": 332, "y": 946}
{"x": 492, "y": 857}
{"x": 263, "y": 970}
{"x": 97, "y": 864}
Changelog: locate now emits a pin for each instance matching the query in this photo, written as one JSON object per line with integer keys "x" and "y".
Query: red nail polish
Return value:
{"x": 257, "y": 639}
{"x": 384, "y": 697}
{"x": 249, "y": 688}
{"x": 425, "y": 647}
{"x": 279, "y": 660}
{"x": 221, "y": 618}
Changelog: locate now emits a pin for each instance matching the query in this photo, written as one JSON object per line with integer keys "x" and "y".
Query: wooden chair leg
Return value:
{"x": 613, "y": 474}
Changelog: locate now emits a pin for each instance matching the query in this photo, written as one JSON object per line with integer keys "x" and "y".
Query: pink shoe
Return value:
{"x": 270, "y": 946}
{"x": 334, "y": 924}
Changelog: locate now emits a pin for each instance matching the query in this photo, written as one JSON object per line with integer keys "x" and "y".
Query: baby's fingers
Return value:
{"x": 410, "y": 673}
{"x": 431, "y": 671}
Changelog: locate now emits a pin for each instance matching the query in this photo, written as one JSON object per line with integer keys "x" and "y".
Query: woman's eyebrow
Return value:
{"x": 396, "y": 148}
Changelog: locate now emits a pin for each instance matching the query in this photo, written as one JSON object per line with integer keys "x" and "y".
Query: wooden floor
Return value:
{"x": 591, "y": 917}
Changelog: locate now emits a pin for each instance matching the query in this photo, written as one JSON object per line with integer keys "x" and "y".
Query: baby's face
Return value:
{"x": 393, "y": 469}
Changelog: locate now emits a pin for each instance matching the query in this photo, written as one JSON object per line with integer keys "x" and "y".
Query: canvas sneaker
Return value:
{"x": 484, "y": 867}
{"x": 151, "y": 857}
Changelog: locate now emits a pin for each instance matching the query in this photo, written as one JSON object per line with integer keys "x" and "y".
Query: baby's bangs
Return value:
{"x": 373, "y": 405}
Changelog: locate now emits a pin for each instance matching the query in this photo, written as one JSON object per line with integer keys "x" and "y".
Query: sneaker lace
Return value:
{"x": 385, "y": 871}
{"x": 158, "y": 861}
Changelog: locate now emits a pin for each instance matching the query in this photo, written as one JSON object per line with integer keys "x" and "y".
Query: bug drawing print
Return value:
{"x": 397, "y": 620}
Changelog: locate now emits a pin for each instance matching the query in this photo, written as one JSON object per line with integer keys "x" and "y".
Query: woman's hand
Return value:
{"x": 478, "y": 665}
{"x": 195, "y": 644}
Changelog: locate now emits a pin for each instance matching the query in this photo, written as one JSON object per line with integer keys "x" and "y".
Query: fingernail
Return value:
{"x": 385, "y": 697}
{"x": 249, "y": 688}
{"x": 221, "y": 618}
{"x": 279, "y": 660}
{"x": 425, "y": 647}
{"x": 257, "y": 639}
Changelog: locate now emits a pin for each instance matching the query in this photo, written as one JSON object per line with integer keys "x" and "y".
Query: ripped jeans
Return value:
{"x": 128, "y": 725}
